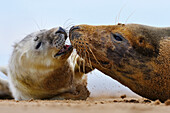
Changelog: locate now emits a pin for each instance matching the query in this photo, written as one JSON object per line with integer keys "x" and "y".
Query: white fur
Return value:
{"x": 3, "y": 70}
{"x": 4, "y": 87}
{"x": 35, "y": 64}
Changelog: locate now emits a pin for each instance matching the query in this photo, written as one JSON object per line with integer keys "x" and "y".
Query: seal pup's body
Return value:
{"x": 41, "y": 67}
{"x": 136, "y": 55}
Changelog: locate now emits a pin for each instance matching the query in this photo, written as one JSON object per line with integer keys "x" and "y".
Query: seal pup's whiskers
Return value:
{"x": 67, "y": 25}
{"x": 66, "y": 22}
{"x": 36, "y": 23}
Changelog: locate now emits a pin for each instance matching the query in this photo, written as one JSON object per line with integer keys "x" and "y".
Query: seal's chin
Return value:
{"x": 64, "y": 50}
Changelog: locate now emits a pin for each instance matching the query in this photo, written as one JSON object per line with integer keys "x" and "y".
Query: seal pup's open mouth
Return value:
{"x": 64, "y": 50}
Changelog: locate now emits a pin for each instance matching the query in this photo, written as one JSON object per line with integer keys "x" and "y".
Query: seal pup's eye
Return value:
{"x": 36, "y": 38}
{"x": 117, "y": 37}
{"x": 38, "y": 45}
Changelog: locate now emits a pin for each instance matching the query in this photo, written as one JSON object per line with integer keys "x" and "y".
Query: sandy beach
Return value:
{"x": 91, "y": 105}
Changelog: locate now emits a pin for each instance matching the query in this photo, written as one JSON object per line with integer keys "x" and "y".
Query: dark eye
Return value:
{"x": 117, "y": 37}
{"x": 38, "y": 45}
{"x": 36, "y": 38}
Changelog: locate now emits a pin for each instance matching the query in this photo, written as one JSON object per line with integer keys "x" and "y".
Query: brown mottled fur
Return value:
{"x": 141, "y": 61}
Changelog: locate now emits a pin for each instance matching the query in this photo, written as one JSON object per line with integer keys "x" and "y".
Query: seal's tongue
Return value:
{"x": 64, "y": 50}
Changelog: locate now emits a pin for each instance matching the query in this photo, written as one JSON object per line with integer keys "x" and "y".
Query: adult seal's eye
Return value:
{"x": 117, "y": 37}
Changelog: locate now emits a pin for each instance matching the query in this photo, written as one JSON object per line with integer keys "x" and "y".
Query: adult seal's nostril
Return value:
{"x": 74, "y": 35}
{"x": 62, "y": 31}
{"x": 73, "y": 28}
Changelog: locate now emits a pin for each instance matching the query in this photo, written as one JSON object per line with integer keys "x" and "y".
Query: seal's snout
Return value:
{"x": 73, "y": 34}
{"x": 73, "y": 28}
{"x": 62, "y": 31}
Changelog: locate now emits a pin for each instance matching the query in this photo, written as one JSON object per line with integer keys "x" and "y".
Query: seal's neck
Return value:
{"x": 166, "y": 30}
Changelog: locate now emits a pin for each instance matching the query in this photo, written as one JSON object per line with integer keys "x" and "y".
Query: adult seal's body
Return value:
{"x": 138, "y": 56}
{"x": 41, "y": 67}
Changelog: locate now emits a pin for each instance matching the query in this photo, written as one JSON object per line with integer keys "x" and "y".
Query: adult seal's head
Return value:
{"x": 138, "y": 56}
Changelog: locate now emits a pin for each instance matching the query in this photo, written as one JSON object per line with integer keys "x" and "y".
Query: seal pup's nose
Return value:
{"x": 62, "y": 31}
{"x": 73, "y": 28}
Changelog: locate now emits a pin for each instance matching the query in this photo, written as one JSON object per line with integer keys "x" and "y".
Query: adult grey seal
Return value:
{"x": 137, "y": 56}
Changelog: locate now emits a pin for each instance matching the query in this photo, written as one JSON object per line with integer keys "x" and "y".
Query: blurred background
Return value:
{"x": 21, "y": 17}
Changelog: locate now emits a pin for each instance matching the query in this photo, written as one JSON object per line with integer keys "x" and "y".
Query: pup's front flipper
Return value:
{"x": 4, "y": 90}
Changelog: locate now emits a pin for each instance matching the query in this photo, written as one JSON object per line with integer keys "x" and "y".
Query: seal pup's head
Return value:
{"x": 45, "y": 48}
{"x": 36, "y": 64}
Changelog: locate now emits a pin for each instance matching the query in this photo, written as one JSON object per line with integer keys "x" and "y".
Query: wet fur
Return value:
{"x": 141, "y": 61}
